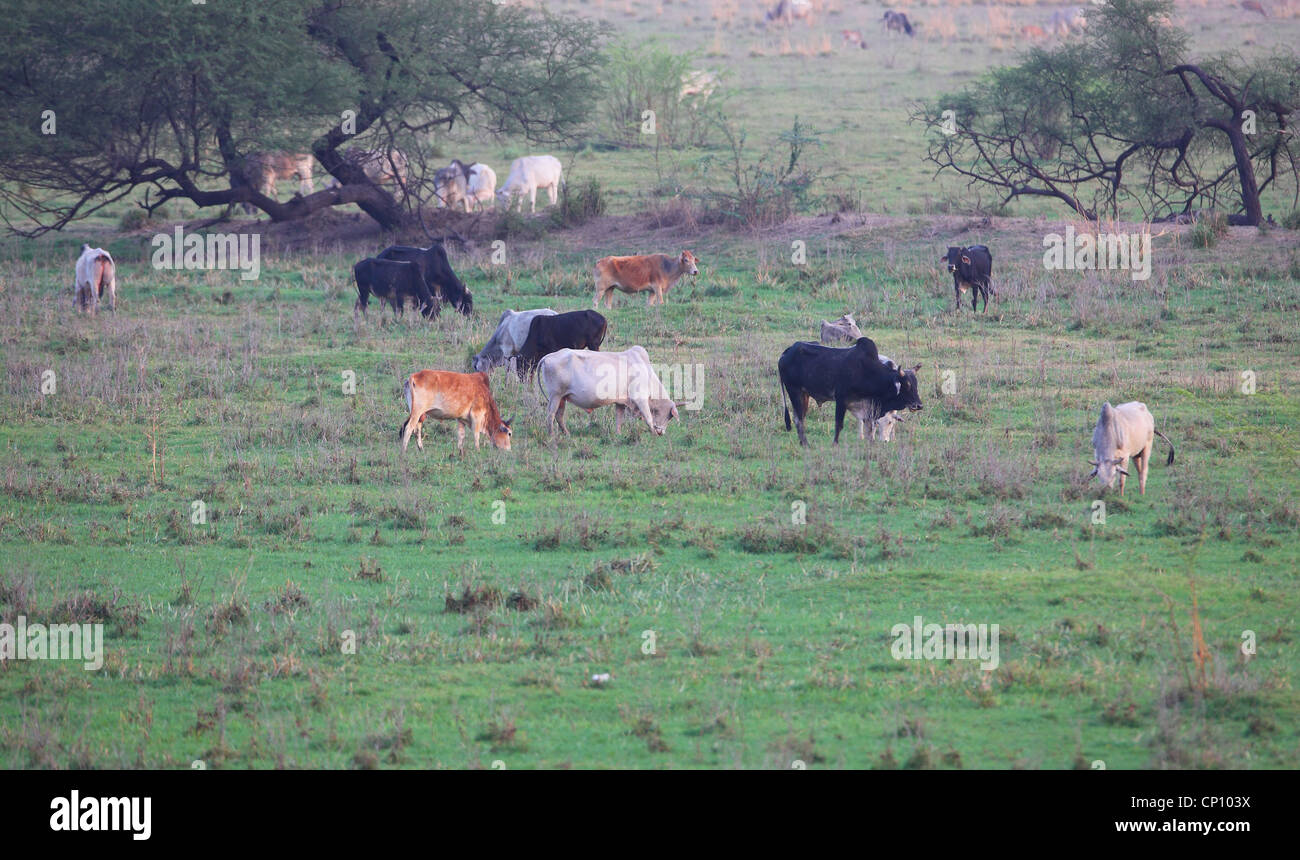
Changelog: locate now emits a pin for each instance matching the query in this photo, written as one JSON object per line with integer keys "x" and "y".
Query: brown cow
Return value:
{"x": 1033, "y": 31}
{"x": 646, "y": 272}
{"x": 1254, "y": 6}
{"x": 462, "y": 397}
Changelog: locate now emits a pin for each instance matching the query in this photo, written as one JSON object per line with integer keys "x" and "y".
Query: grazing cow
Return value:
{"x": 458, "y": 184}
{"x": 972, "y": 269}
{"x": 511, "y": 332}
{"x": 95, "y": 274}
{"x": 393, "y": 281}
{"x": 698, "y": 83}
{"x": 264, "y": 169}
{"x": 655, "y": 273}
{"x": 854, "y": 37}
{"x": 844, "y": 375}
{"x": 896, "y": 22}
{"x": 844, "y": 328}
{"x": 1033, "y": 31}
{"x": 590, "y": 380}
{"x": 1124, "y": 431}
{"x": 548, "y": 334}
{"x": 528, "y": 174}
{"x": 436, "y": 269}
{"x": 381, "y": 168}
{"x": 462, "y": 397}
{"x": 1254, "y": 6}
{"x": 786, "y": 12}
{"x": 1066, "y": 21}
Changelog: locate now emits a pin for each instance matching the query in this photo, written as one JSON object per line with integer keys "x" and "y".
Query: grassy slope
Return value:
{"x": 773, "y": 640}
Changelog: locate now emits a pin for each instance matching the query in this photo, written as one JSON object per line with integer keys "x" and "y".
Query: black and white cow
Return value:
{"x": 972, "y": 269}
{"x": 393, "y": 281}
{"x": 847, "y": 376}
{"x": 436, "y": 269}
{"x": 548, "y": 334}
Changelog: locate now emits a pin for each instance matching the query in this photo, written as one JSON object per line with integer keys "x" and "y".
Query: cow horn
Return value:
{"x": 1093, "y": 463}
{"x": 681, "y": 403}
{"x": 1093, "y": 474}
{"x": 1123, "y": 472}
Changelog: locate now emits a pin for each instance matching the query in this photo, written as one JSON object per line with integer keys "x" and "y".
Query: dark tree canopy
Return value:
{"x": 1122, "y": 117}
{"x": 174, "y": 96}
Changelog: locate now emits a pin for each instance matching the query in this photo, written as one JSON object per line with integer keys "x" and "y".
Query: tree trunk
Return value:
{"x": 1246, "y": 174}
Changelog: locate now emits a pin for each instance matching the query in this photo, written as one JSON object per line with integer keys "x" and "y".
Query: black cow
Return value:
{"x": 548, "y": 334}
{"x": 971, "y": 270}
{"x": 437, "y": 273}
{"x": 847, "y": 376}
{"x": 897, "y": 22}
{"x": 393, "y": 281}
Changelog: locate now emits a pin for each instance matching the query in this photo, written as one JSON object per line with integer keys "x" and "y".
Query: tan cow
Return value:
{"x": 1124, "y": 431}
{"x": 655, "y": 273}
{"x": 461, "y": 397}
{"x": 95, "y": 274}
{"x": 264, "y": 169}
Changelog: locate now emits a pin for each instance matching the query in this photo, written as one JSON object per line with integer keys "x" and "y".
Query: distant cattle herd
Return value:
{"x": 563, "y": 350}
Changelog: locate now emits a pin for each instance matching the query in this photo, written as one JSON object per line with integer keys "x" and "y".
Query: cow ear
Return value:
{"x": 965, "y": 259}
{"x": 915, "y": 369}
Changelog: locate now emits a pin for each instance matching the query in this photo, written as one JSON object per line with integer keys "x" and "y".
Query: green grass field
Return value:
{"x": 224, "y": 640}
{"x": 343, "y": 604}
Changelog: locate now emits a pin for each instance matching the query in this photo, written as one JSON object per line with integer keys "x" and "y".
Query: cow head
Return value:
{"x": 501, "y": 435}
{"x": 661, "y": 412}
{"x": 1109, "y": 460}
{"x": 909, "y": 390}
{"x": 954, "y": 258}
{"x": 689, "y": 263}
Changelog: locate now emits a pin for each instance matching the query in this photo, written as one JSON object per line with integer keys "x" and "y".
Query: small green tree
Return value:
{"x": 173, "y": 97}
{"x": 1124, "y": 116}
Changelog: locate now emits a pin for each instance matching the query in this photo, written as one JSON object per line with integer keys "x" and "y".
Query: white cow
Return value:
{"x": 96, "y": 273}
{"x": 510, "y": 334}
{"x": 457, "y": 184}
{"x": 1124, "y": 431}
{"x": 528, "y": 174}
{"x": 844, "y": 328}
{"x": 590, "y": 380}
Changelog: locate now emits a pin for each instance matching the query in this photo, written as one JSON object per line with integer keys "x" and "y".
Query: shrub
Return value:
{"x": 767, "y": 191}
{"x": 1291, "y": 220}
{"x": 579, "y": 203}
{"x": 1209, "y": 229}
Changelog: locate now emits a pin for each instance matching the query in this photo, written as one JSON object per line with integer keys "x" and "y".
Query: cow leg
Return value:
{"x": 409, "y": 427}
{"x": 840, "y": 408}
{"x": 1123, "y": 464}
{"x": 460, "y": 434}
{"x": 532, "y": 200}
{"x": 556, "y": 415}
{"x": 862, "y": 429}
{"x": 1143, "y": 460}
{"x": 799, "y": 406}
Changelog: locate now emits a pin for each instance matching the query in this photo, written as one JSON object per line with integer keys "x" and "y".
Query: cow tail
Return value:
{"x": 784, "y": 404}
{"x": 406, "y": 396}
{"x": 1170, "y": 461}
